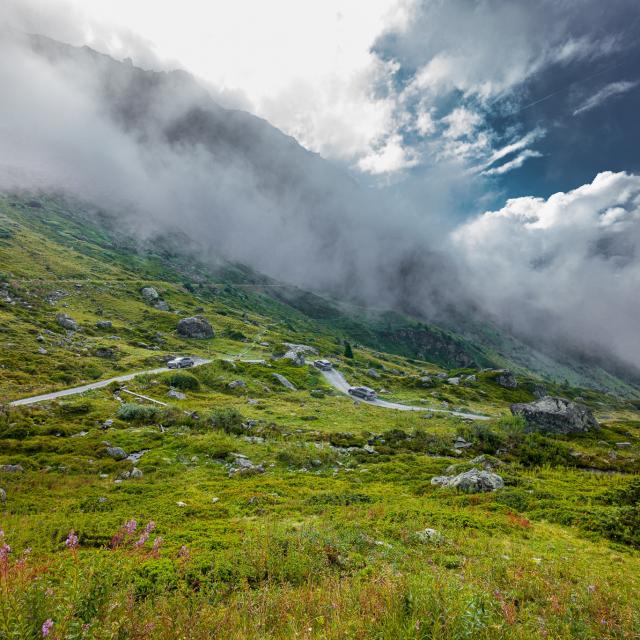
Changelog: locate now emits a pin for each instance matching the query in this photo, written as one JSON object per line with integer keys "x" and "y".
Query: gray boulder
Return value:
{"x": 555, "y": 415}
{"x": 236, "y": 384}
{"x": 196, "y": 327}
{"x": 242, "y": 466}
{"x": 455, "y": 381}
{"x": 11, "y": 468}
{"x": 295, "y": 357}
{"x": 117, "y": 453}
{"x": 136, "y": 473}
{"x": 506, "y": 379}
{"x": 539, "y": 391}
{"x": 149, "y": 294}
{"x": 66, "y": 322}
{"x": 104, "y": 352}
{"x": 161, "y": 305}
{"x": 176, "y": 395}
{"x": 104, "y": 324}
{"x": 472, "y": 481}
{"x": 372, "y": 373}
{"x": 284, "y": 382}
{"x": 3, "y": 495}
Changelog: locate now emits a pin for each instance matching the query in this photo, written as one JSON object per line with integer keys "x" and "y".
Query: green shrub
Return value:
{"x": 229, "y": 420}
{"x": 182, "y": 380}
{"x": 132, "y": 411}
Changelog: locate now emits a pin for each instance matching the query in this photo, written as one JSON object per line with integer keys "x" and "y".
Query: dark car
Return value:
{"x": 324, "y": 365}
{"x": 181, "y": 363}
{"x": 363, "y": 392}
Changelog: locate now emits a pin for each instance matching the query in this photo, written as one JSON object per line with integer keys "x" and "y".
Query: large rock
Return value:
{"x": 372, "y": 373}
{"x": 66, "y": 322}
{"x": 104, "y": 324}
{"x": 284, "y": 382}
{"x": 149, "y": 294}
{"x": 196, "y": 327}
{"x": 555, "y": 415}
{"x": 296, "y": 353}
{"x": 11, "y": 468}
{"x": 472, "y": 481}
{"x": 506, "y": 379}
{"x": 3, "y": 495}
{"x": 117, "y": 453}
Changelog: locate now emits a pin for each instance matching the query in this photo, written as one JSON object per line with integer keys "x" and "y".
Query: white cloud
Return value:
{"x": 461, "y": 122}
{"x": 573, "y": 256}
{"x": 609, "y": 91}
{"x": 515, "y": 163}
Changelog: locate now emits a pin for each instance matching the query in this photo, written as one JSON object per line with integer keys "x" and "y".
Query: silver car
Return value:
{"x": 324, "y": 365}
{"x": 363, "y": 392}
{"x": 181, "y": 362}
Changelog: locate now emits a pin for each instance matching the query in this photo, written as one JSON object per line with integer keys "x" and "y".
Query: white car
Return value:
{"x": 182, "y": 362}
{"x": 363, "y": 392}
{"x": 325, "y": 365}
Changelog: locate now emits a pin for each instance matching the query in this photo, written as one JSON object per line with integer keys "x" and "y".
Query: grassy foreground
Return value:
{"x": 332, "y": 529}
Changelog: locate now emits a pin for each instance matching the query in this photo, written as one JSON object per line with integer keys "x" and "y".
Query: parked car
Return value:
{"x": 181, "y": 362}
{"x": 363, "y": 392}
{"x": 325, "y": 365}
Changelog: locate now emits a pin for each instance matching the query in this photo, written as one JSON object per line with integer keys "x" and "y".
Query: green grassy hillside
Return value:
{"x": 320, "y": 532}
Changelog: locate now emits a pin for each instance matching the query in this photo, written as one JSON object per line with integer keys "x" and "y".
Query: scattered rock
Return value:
{"x": 40, "y": 338}
{"x": 149, "y": 294}
{"x": 372, "y": 373}
{"x": 472, "y": 481}
{"x": 487, "y": 462}
{"x": 284, "y": 382}
{"x": 181, "y": 504}
{"x": 471, "y": 378}
{"x": 104, "y": 352}
{"x": 196, "y": 327}
{"x": 623, "y": 445}
{"x": 104, "y": 324}
{"x": 117, "y": 453}
{"x": 506, "y": 379}
{"x": 369, "y": 449}
{"x": 426, "y": 381}
{"x": 461, "y": 443}
{"x": 214, "y": 500}
{"x": 11, "y": 468}
{"x": 3, "y": 495}
{"x": 242, "y": 466}
{"x": 176, "y": 395}
{"x": 555, "y": 415}
{"x": 429, "y": 536}
{"x": 539, "y": 391}
{"x": 237, "y": 384}
{"x": 66, "y": 322}
{"x": 161, "y": 305}
{"x": 107, "y": 424}
{"x": 454, "y": 381}
{"x": 42, "y": 351}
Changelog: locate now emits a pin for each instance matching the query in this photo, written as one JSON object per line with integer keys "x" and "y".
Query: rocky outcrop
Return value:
{"x": 149, "y": 294}
{"x": 555, "y": 415}
{"x": 196, "y": 327}
{"x": 506, "y": 379}
{"x": 66, "y": 322}
{"x": 296, "y": 353}
{"x": 284, "y": 382}
{"x": 117, "y": 453}
{"x": 242, "y": 466}
{"x": 176, "y": 395}
{"x": 11, "y": 468}
{"x": 104, "y": 324}
{"x": 372, "y": 373}
{"x": 472, "y": 481}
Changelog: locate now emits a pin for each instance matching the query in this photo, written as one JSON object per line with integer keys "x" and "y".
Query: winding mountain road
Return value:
{"x": 94, "y": 385}
{"x": 333, "y": 377}
{"x": 338, "y": 382}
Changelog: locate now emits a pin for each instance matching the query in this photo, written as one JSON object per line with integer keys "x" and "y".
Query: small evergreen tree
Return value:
{"x": 348, "y": 352}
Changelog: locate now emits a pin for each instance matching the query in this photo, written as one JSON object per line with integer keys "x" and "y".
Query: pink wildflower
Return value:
{"x": 5, "y": 550}
{"x": 142, "y": 540}
{"x": 47, "y": 625}
{"x": 130, "y": 526}
{"x": 151, "y": 525}
{"x": 72, "y": 541}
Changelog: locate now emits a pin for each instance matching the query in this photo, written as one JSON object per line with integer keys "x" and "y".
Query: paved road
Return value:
{"x": 333, "y": 377}
{"x": 94, "y": 385}
{"x": 338, "y": 382}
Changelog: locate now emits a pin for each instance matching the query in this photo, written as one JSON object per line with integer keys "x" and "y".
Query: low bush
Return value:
{"x": 182, "y": 380}
{"x": 132, "y": 411}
